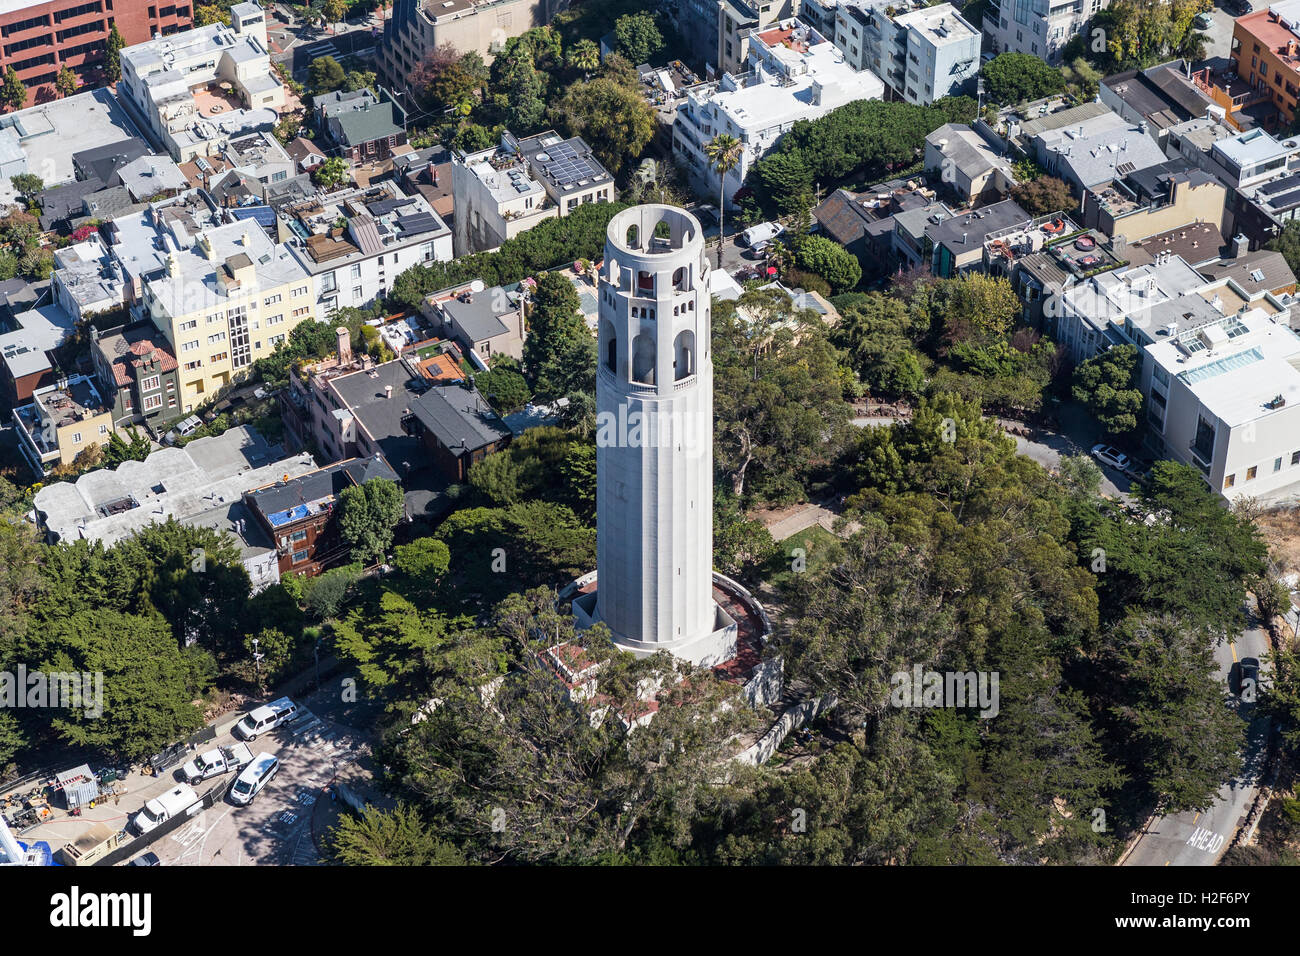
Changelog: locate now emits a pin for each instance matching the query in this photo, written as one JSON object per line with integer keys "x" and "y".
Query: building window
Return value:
{"x": 103, "y": 430}
{"x": 190, "y": 346}
{"x": 216, "y": 337}
{"x": 76, "y": 438}
{"x": 151, "y": 384}
{"x": 1250, "y": 472}
{"x": 186, "y": 326}
{"x": 299, "y": 557}
{"x": 298, "y": 536}
{"x": 152, "y": 401}
{"x": 1277, "y": 464}
{"x": 1229, "y": 481}
{"x": 271, "y": 299}
{"x": 1295, "y": 457}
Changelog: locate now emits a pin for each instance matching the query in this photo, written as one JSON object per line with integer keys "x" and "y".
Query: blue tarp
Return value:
{"x": 296, "y": 513}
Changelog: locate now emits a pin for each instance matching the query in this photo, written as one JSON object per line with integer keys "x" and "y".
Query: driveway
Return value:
{"x": 1199, "y": 838}
{"x": 1218, "y": 39}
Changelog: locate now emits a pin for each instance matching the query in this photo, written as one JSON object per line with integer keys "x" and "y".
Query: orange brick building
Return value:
{"x": 1266, "y": 51}
{"x": 39, "y": 39}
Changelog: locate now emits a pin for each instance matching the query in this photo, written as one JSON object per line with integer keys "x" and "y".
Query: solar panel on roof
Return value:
{"x": 420, "y": 222}
{"x": 1288, "y": 199}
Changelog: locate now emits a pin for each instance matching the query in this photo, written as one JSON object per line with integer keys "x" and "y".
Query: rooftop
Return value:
{"x": 37, "y": 331}
{"x": 382, "y": 399}
{"x": 566, "y": 164}
{"x": 182, "y": 483}
{"x": 973, "y": 227}
{"x": 940, "y": 24}
{"x": 378, "y": 217}
{"x": 1252, "y": 363}
{"x": 1255, "y": 272}
{"x": 298, "y": 496}
{"x": 459, "y": 417}
{"x": 131, "y": 346}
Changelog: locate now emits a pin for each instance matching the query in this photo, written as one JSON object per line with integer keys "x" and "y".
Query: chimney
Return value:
{"x": 388, "y": 391}
{"x": 1240, "y": 246}
{"x": 345, "y": 345}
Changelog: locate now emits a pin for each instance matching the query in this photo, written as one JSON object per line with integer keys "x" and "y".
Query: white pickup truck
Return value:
{"x": 216, "y": 762}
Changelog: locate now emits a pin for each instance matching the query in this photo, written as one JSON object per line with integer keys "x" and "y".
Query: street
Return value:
{"x": 276, "y": 827}
{"x": 1199, "y": 838}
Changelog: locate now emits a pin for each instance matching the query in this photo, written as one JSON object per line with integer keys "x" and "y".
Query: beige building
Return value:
{"x": 1151, "y": 201}
{"x": 61, "y": 422}
{"x": 224, "y": 303}
{"x": 418, "y": 27}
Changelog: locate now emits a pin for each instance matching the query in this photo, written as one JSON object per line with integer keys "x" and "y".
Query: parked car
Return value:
{"x": 253, "y": 778}
{"x": 216, "y": 762}
{"x": 763, "y": 232}
{"x": 261, "y": 719}
{"x": 147, "y": 859}
{"x": 1238, "y": 7}
{"x": 183, "y": 429}
{"x": 1248, "y": 676}
{"x": 1112, "y": 457}
{"x": 1204, "y": 20}
{"x": 160, "y": 809}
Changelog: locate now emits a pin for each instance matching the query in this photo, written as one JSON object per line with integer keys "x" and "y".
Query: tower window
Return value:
{"x": 643, "y": 359}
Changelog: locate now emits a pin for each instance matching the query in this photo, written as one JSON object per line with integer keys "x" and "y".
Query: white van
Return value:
{"x": 763, "y": 232}
{"x": 253, "y": 778}
{"x": 261, "y": 719}
{"x": 161, "y": 809}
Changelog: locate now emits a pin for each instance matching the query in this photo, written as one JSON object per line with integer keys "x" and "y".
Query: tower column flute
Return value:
{"x": 654, "y": 454}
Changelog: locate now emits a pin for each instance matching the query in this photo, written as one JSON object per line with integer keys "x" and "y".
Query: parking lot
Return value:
{"x": 276, "y": 827}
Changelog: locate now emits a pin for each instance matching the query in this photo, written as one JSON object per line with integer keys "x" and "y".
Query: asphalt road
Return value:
{"x": 1200, "y": 838}
{"x": 1219, "y": 36}
{"x": 276, "y": 828}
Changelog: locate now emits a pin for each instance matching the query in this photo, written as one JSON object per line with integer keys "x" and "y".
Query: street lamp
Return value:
{"x": 257, "y": 663}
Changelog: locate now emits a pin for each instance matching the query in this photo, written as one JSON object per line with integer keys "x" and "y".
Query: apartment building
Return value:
{"x": 500, "y": 192}
{"x": 39, "y": 39}
{"x": 1266, "y": 52}
{"x": 138, "y": 374}
{"x": 355, "y": 242}
{"x": 1037, "y": 27}
{"x": 225, "y": 301}
{"x": 922, "y": 54}
{"x": 196, "y": 90}
{"x": 486, "y": 322}
{"x": 1095, "y": 150}
{"x": 363, "y": 127}
{"x": 1156, "y": 199}
{"x": 60, "y": 422}
{"x": 737, "y": 22}
{"x": 1224, "y": 397}
{"x": 794, "y": 73}
{"x": 966, "y": 164}
{"x": 418, "y": 27}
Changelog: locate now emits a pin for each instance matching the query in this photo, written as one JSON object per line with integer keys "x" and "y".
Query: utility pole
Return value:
{"x": 257, "y": 663}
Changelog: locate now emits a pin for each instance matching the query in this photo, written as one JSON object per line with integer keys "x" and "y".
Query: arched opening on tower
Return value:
{"x": 645, "y": 283}
{"x": 684, "y": 350}
{"x": 633, "y": 237}
{"x": 679, "y": 279}
{"x": 643, "y": 359}
{"x": 611, "y": 346}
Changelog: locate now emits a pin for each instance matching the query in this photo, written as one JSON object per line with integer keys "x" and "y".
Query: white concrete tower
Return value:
{"x": 654, "y": 454}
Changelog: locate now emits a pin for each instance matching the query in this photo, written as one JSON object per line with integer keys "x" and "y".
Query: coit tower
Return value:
{"x": 654, "y": 441}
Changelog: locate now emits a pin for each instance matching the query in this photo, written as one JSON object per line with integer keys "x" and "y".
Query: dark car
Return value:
{"x": 1238, "y": 7}
{"x": 147, "y": 859}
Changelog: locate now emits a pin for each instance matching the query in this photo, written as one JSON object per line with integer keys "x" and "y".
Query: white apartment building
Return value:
{"x": 173, "y": 85}
{"x": 355, "y": 242}
{"x": 921, "y": 55}
{"x": 794, "y": 74}
{"x": 1224, "y": 397}
{"x": 1037, "y": 27}
{"x": 503, "y": 191}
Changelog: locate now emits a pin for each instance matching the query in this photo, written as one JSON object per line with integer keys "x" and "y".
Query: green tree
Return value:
{"x": 397, "y": 837}
{"x": 358, "y": 80}
{"x": 571, "y": 367}
{"x": 28, "y": 186}
{"x": 1107, "y": 385}
{"x": 206, "y": 15}
{"x": 324, "y": 75}
{"x": 12, "y": 740}
{"x": 504, "y": 389}
{"x": 616, "y": 121}
{"x": 147, "y": 682}
{"x": 1011, "y": 78}
{"x": 584, "y": 56}
{"x": 637, "y": 37}
{"x": 425, "y": 560}
{"x": 331, "y": 174}
{"x": 554, "y": 321}
{"x": 324, "y": 595}
{"x": 1043, "y": 195}
{"x": 334, "y": 11}
{"x": 276, "y": 654}
{"x": 839, "y": 267}
{"x": 119, "y": 450}
{"x": 13, "y": 93}
{"x": 778, "y": 394}
{"x": 1287, "y": 242}
{"x": 113, "y": 53}
{"x": 368, "y": 513}
{"x": 66, "y": 82}
{"x": 724, "y": 152}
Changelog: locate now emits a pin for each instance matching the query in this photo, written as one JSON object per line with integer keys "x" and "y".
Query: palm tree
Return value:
{"x": 724, "y": 152}
{"x": 585, "y": 56}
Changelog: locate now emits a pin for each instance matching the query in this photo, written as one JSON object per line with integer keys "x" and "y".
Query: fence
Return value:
{"x": 141, "y": 843}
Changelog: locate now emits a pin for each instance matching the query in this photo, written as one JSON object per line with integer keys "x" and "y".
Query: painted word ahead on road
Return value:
{"x": 1206, "y": 840}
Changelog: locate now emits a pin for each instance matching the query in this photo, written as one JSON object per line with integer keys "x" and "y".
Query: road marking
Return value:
{"x": 1233, "y": 647}
{"x": 1197, "y": 817}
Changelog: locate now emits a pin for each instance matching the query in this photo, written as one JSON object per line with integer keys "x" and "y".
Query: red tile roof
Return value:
{"x": 135, "y": 356}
